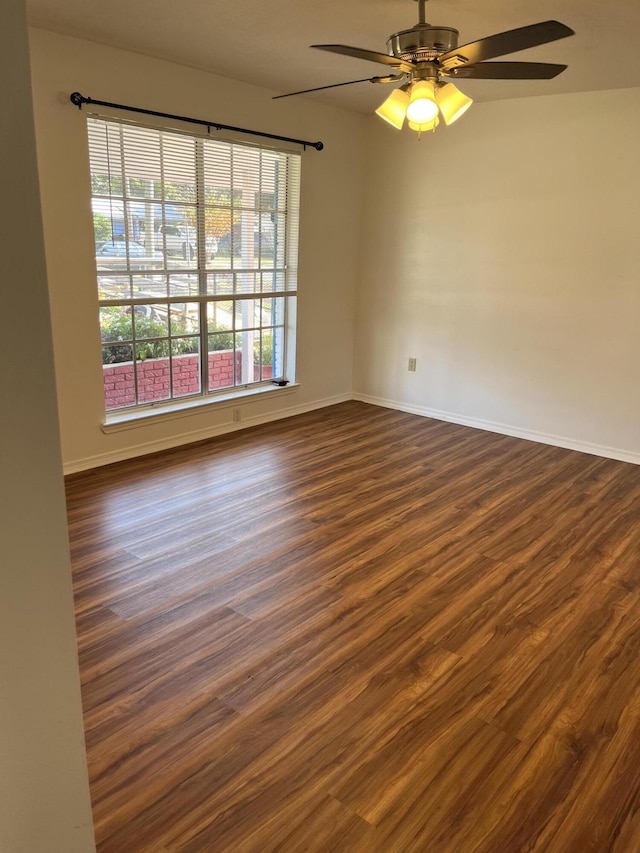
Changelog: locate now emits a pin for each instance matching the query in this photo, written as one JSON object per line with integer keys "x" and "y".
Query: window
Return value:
{"x": 196, "y": 257}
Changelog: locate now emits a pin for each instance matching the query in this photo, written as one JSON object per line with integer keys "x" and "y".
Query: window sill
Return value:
{"x": 175, "y": 410}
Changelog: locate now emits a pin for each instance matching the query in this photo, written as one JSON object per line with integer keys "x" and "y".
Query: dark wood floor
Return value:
{"x": 361, "y": 630}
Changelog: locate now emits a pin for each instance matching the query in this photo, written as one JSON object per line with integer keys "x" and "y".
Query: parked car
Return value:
{"x": 176, "y": 240}
{"x": 122, "y": 249}
{"x": 110, "y": 253}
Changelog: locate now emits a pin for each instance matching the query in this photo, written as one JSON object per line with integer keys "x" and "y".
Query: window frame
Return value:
{"x": 282, "y": 324}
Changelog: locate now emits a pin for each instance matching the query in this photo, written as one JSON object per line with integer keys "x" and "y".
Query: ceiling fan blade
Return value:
{"x": 503, "y": 43}
{"x": 389, "y": 79}
{"x": 361, "y": 53}
{"x": 507, "y": 71}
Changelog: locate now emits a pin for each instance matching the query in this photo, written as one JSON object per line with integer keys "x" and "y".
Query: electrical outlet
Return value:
{"x": 237, "y": 416}
{"x": 412, "y": 365}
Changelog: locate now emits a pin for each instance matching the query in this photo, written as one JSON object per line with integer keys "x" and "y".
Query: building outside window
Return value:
{"x": 196, "y": 257}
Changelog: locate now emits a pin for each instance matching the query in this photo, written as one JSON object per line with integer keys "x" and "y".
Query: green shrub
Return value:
{"x": 220, "y": 341}
{"x": 115, "y": 326}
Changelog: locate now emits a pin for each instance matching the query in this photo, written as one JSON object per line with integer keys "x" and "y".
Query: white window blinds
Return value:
{"x": 196, "y": 253}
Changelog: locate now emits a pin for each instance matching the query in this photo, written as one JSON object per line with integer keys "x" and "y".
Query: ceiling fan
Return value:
{"x": 422, "y": 56}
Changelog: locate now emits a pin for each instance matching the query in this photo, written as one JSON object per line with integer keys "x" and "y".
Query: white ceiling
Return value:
{"x": 266, "y": 42}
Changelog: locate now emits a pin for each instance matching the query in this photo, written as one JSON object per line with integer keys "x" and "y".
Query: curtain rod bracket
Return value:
{"x": 78, "y": 100}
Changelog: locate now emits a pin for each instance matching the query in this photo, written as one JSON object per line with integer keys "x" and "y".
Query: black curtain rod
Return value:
{"x": 78, "y": 100}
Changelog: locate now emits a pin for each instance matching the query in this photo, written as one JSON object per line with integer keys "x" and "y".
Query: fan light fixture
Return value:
{"x": 394, "y": 108}
{"x": 421, "y": 102}
{"x": 452, "y": 102}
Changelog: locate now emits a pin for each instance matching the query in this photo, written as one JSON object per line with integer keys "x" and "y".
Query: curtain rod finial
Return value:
{"x": 77, "y": 99}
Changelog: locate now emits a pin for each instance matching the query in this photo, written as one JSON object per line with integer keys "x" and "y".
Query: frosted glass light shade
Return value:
{"x": 452, "y": 102}
{"x": 394, "y": 108}
{"x": 422, "y": 106}
{"x": 423, "y": 127}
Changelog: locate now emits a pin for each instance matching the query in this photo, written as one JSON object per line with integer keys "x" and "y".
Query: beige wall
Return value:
{"x": 330, "y": 217}
{"x": 501, "y": 253}
{"x": 44, "y": 796}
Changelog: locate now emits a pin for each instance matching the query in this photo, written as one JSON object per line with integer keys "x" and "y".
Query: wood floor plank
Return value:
{"x": 296, "y": 828}
{"x": 360, "y": 630}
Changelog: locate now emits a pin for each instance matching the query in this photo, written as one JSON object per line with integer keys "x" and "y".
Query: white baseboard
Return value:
{"x": 145, "y": 447}
{"x": 506, "y": 429}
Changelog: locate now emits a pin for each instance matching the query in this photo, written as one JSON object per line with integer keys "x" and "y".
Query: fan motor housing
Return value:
{"x": 422, "y": 43}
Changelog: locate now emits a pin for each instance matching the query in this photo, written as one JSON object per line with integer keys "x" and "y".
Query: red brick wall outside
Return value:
{"x": 154, "y": 378}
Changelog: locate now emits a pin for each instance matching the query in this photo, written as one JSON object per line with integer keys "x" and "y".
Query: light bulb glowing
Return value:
{"x": 422, "y": 106}
{"x": 452, "y": 102}
{"x": 394, "y": 108}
